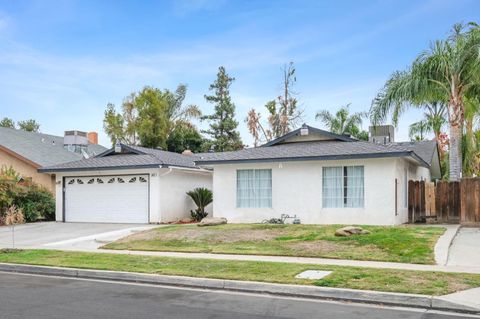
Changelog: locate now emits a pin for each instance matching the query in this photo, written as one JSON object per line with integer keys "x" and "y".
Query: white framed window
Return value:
{"x": 343, "y": 186}
{"x": 254, "y": 188}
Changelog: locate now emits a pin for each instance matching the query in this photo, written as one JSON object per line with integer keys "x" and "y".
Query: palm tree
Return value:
{"x": 342, "y": 122}
{"x": 448, "y": 72}
{"x": 418, "y": 130}
{"x": 434, "y": 120}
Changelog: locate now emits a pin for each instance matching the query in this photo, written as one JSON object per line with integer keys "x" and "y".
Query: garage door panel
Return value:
{"x": 115, "y": 199}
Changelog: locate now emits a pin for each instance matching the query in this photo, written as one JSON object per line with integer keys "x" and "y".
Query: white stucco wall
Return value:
{"x": 167, "y": 200}
{"x": 174, "y": 184}
{"x": 297, "y": 189}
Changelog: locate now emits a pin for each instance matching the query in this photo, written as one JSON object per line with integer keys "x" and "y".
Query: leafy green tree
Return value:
{"x": 449, "y": 72}
{"x": 113, "y": 125}
{"x": 153, "y": 123}
{"x": 148, "y": 116}
{"x": 342, "y": 122}
{"x": 223, "y": 126}
{"x": 7, "y": 122}
{"x": 29, "y": 125}
{"x": 185, "y": 136}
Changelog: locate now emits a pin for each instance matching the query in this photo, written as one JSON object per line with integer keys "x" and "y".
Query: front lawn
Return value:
{"x": 418, "y": 282}
{"x": 407, "y": 244}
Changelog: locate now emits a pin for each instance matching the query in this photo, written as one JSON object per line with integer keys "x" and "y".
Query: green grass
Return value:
{"x": 407, "y": 244}
{"x": 419, "y": 282}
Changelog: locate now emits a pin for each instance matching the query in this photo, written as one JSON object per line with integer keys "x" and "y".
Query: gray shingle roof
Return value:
{"x": 297, "y": 132}
{"x": 140, "y": 157}
{"x": 424, "y": 149}
{"x": 131, "y": 157}
{"x": 321, "y": 150}
{"x": 42, "y": 149}
{"x": 117, "y": 161}
{"x": 168, "y": 158}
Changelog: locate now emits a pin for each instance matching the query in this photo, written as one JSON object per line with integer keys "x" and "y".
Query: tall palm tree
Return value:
{"x": 342, "y": 122}
{"x": 417, "y": 131}
{"x": 448, "y": 72}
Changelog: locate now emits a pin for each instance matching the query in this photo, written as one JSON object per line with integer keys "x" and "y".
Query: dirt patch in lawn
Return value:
{"x": 329, "y": 249}
{"x": 209, "y": 235}
{"x": 318, "y": 246}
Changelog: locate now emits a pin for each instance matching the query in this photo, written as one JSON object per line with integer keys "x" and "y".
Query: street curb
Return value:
{"x": 299, "y": 291}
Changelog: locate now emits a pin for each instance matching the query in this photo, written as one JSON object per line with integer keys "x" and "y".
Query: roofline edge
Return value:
{"x": 313, "y": 158}
{"x": 108, "y": 168}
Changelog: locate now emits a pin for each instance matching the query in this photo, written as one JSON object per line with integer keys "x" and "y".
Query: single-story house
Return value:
{"x": 28, "y": 151}
{"x": 321, "y": 177}
{"x": 127, "y": 184}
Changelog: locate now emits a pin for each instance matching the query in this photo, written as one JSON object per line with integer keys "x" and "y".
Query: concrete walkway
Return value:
{"x": 442, "y": 247}
{"x": 469, "y": 298}
{"x": 465, "y": 248}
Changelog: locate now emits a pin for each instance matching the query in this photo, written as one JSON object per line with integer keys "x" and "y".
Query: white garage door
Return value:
{"x": 107, "y": 199}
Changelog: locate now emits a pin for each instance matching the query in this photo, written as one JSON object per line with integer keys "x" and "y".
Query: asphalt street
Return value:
{"x": 38, "y": 297}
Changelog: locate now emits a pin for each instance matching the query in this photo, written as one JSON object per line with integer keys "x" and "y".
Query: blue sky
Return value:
{"x": 61, "y": 62}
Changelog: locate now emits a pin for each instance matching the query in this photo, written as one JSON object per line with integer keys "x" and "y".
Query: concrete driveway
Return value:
{"x": 53, "y": 235}
{"x": 465, "y": 248}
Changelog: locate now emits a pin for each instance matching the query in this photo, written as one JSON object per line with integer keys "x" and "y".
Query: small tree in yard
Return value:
{"x": 202, "y": 197}
{"x": 14, "y": 216}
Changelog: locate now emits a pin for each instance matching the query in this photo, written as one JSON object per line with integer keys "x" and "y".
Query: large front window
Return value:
{"x": 254, "y": 188}
{"x": 343, "y": 186}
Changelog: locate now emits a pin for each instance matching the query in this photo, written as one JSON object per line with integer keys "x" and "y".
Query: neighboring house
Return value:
{"x": 28, "y": 151}
{"x": 127, "y": 184}
{"x": 321, "y": 177}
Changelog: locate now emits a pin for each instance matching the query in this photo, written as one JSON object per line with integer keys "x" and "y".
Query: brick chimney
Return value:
{"x": 93, "y": 137}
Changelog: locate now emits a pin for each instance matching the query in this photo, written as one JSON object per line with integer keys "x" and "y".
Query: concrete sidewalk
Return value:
{"x": 297, "y": 260}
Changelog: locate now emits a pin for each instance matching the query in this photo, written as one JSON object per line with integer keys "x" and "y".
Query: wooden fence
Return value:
{"x": 445, "y": 202}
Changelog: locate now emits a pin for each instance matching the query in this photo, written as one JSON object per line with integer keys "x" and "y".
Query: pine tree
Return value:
{"x": 223, "y": 126}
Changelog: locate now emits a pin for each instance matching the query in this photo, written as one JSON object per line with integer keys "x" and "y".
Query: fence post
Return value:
{"x": 411, "y": 200}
